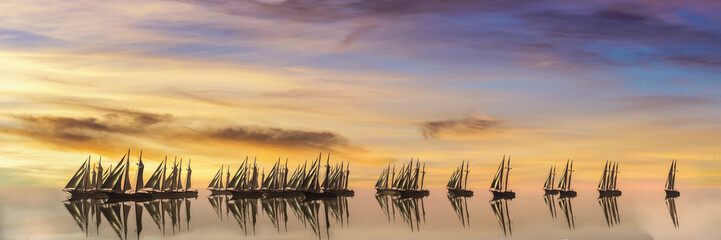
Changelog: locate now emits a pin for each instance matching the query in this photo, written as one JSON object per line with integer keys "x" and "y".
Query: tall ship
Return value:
{"x": 607, "y": 184}
{"x": 383, "y": 185}
{"x": 336, "y": 179}
{"x": 86, "y": 184}
{"x": 160, "y": 185}
{"x": 564, "y": 186}
{"x": 549, "y": 185}
{"x": 117, "y": 186}
{"x": 671, "y": 182}
{"x": 276, "y": 183}
{"x": 499, "y": 185}
{"x": 411, "y": 179}
{"x": 311, "y": 186}
{"x": 458, "y": 184}
{"x": 216, "y": 185}
{"x": 244, "y": 183}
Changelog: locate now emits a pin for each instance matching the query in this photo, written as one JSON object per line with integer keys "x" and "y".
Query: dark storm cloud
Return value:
{"x": 459, "y": 127}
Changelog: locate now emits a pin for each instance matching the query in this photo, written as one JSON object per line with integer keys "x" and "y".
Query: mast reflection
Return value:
{"x": 460, "y": 206}
{"x": 610, "y": 210}
{"x": 500, "y": 209}
{"x": 671, "y": 205}
{"x": 245, "y": 211}
{"x": 565, "y": 204}
{"x": 550, "y": 200}
{"x": 411, "y": 209}
{"x": 85, "y": 211}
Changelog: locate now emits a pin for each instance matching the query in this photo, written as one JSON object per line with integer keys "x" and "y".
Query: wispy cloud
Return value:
{"x": 463, "y": 127}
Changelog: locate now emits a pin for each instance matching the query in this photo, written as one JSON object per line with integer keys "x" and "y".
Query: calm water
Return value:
{"x": 639, "y": 214}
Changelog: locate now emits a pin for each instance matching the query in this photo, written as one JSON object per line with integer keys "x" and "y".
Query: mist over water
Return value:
{"x": 638, "y": 214}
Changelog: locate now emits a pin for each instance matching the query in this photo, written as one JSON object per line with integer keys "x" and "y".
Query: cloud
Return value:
{"x": 464, "y": 127}
{"x": 278, "y": 137}
{"x": 117, "y": 128}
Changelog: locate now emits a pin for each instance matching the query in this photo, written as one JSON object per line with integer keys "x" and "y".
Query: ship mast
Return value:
{"x": 508, "y": 171}
{"x": 139, "y": 178}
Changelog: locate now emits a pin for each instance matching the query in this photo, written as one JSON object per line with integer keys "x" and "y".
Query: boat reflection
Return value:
{"x": 550, "y": 200}
{"x": 565, "y": 204}
{"x": 117, "y": 213}
{"x": 308, "y": 212}
{"x": 500, "y": 209}
{"x": 411, "y": 209}
{"x": 671, "y": 205}
{"x": 610, "y": 210}
{"x": 460, "y": 206}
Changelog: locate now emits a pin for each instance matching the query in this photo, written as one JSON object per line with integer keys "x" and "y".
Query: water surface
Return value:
{"x": 638, "y": 214}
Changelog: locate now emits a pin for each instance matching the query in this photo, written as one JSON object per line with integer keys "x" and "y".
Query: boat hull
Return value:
{"x": 310, "y": 195}
{"x": 385, "y": 191}
{"x": 214, "y": 192}
{"x": 343, "y": 192}
{"x": 609, "y": 193}
{"x": 175, "y": 194}
{"x": 127, "y": 196}
{"x": 569, "y": 193}
{"x": 503, "y": 194}
{"x": 460, "y": 192}
{"x": 81, "y": 194}
{"x": 280, "y": 193}
{"x": 672, "y": 193}
{"x": 551, "y": 191}
{"x": 413, "y": 193}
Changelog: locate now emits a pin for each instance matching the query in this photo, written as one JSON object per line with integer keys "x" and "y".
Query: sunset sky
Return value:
{"x": 370, "y": 82}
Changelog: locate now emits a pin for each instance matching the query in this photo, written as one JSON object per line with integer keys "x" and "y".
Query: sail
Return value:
{"x": 75, "y": 180}
{"x": 187, "y": 178}
{"x": 271, "y": 176}
{"x": 494, "y": 183}
{"x": 114, "y": 176}
{"x": 236, "y": 177}
{"x": 564, "y": 178}
{"x": 547, "y": 184}
{"x": 602, "y": 182}
{"x": 127, "y": 186}
{"x": 215, "y": 180}
{"x": 154, "y": 180}
{"x": 141, "y": 167}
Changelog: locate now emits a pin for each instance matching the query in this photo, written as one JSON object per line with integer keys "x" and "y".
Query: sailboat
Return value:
{"x": 383, "y": 186}
{"x": 607, "y": 184}
{"x": 548, "y": 186}
{"x": 216, "y": 185}
{"x": 410, "y": 180}
{"x": 671, "y": 182}
{"x": 564, "y": 185}
{"x": 245, "y": 181}
{"x": 276, "y": 184}
{"x": 170, "y": 186}
{"x": 458, "y": 184}
{"x": 118, "y": 186}
{"x": 83, "y": 185}
{"x": 499, "y": 185}
{"x": 336, "y": 179}
{"x": 311, "y": 186}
